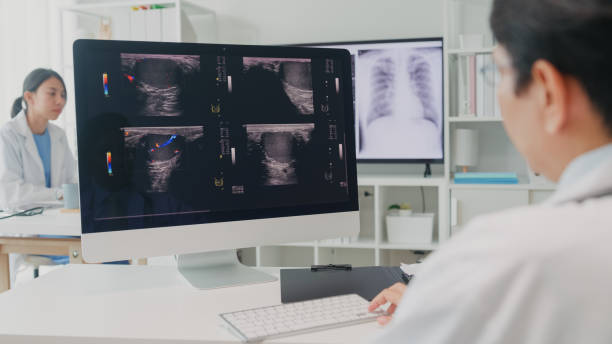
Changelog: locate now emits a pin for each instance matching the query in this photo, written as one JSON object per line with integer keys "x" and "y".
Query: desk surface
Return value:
{"x": 50, "y": 222}
{"x": 138, "y": 304}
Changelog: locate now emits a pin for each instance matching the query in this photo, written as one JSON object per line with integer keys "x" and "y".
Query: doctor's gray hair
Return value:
{"x": 31, "y": 83}
{"x": 574, "y": 36}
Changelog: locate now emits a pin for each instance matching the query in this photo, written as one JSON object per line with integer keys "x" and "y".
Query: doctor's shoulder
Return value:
{"x": 540, "y": 230}
{"x": 9, "y": 134}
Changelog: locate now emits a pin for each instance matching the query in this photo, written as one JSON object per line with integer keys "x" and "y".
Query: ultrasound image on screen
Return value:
{"x": 160, "y": 150}
{"x": 399, "y": 103}
{"x": 159, "y": 83}
{"x": 193, "y": 134}
{"x": 295, "y": 75}
{"x": 276, "y": 149}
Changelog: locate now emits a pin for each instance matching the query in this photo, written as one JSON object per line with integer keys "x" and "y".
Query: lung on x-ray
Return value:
{"x": 159, "y": 84}
{"x": 399, "y": 103}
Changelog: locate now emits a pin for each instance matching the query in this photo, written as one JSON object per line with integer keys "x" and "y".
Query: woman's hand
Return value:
{"x": 393, "y": 295}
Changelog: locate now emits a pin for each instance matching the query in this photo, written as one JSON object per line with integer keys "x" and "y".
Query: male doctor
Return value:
{"x": 538, "y": 274}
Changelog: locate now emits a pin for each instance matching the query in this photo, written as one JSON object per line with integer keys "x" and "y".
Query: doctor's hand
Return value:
{"x": 393, "y": 294}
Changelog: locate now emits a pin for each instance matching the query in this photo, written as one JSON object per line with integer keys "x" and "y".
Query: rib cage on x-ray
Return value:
{"x": 422, "y": 85}
{"x": 384, "y": 78}
{"x": 382, "y": 83}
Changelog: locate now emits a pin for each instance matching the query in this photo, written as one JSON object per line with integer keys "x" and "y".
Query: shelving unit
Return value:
{"x": 473, "y": 119}
{"x": 376, "y": 193}
{"x": 462, "y": 52}
{"x": 187, "y": 22}
{"x": 454, "y": 204}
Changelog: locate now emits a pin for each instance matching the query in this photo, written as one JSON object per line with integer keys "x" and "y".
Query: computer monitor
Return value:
{"x": 185, "y": 148}
{"x": 399, "y": 99}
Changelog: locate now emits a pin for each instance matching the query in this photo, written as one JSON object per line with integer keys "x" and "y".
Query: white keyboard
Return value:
{"x": 253, "y": 325}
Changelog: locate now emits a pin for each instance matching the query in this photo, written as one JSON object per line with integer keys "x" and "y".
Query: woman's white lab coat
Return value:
{"x": 539, "y": 274}
{"x": 22, "y": 178}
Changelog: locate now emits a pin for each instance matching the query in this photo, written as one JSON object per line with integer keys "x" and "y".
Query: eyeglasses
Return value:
{"x": 490, "y": 74}
{"x": 27, "y": 212}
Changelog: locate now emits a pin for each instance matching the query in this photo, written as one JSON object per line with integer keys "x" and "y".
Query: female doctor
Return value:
{"x": 35, "y": 159}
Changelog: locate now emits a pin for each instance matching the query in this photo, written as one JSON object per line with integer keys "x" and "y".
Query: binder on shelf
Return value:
{"x": 488, "y": 89}
{"x": 153, "y": 25}
{"x": 476, "y": 93}
{"x": 169, "y": 28}
{"x": 305, "y": 284}
{"x": 472, "y": 84}
{"x": 138, "y": 25}
{"x": 480, "y": 86}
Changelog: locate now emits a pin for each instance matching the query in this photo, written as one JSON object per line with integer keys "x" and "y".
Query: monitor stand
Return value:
{"x": 218, "y": 269}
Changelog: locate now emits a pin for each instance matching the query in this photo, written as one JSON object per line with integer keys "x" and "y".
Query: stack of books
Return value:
{"x": 486, "y": 178}
{"x": 476, "y": 94}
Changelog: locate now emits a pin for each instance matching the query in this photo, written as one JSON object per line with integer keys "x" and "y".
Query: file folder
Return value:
{"x": 304, "y": 284}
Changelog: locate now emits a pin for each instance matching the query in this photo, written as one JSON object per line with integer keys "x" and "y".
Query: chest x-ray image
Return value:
{"x": 295, "y": 75}
{"x": 158, "y": 152}
{"x": 275, "y": 150}
{"x": 159, "y": 83}
{"x": 399, "y": 103}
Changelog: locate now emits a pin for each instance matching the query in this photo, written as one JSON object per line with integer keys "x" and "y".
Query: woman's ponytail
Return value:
{"x": 17, "y": 106}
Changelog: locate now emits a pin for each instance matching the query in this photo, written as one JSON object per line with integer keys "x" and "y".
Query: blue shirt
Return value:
{"x": 584, "y": 164}
{"x": 43, "y": 143}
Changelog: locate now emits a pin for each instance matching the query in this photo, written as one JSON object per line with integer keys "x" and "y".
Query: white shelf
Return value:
{"x": 520, "y": 186}
{"x": 370, "y": 244}
{"x": 412, "y": 247}
{"x": 472, "y": 119}
{"x": 469, "y": 51}
{"x": 106, "y": 5}
{"x": 400, "y": 180}
{"x": 298, "y": 244}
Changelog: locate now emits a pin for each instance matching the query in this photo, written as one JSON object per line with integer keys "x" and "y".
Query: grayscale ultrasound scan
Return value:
{"x": 192, "y": 137}
{"x": 159, "y": 82}
{"x": 277, "y": 147}
{"x": 295, "y": 75}
{"x": 160, "y": 150}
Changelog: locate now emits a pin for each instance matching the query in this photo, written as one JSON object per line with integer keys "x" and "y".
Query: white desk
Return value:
{"x": 138, "y": 304}
{"x": 14, "y": 232}
{"x": 50, "y": 222}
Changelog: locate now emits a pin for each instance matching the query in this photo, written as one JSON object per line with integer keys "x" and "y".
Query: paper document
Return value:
{"x": 410, "y": 269}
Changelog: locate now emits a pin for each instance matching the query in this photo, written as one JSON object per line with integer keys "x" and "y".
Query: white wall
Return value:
{"x": 30, "y": 30}
{"x": 28, "y": 39}
{"x": 290, "y": 21}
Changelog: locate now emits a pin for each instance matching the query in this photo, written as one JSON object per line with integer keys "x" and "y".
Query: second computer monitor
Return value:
{"x": 398, "y": 89}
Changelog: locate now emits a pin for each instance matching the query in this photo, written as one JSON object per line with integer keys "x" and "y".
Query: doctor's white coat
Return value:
{"x": 540, "y": 275}
{"x": 22, "y": 178}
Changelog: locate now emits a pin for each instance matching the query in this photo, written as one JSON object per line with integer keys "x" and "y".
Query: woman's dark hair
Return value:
{"x": 574, "y": 36}
{"x": 31, "y": 84}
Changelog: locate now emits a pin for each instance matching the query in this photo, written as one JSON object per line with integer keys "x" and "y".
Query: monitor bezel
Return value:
{"x": 83, "y": 48}
{"x": 399, "y": 40}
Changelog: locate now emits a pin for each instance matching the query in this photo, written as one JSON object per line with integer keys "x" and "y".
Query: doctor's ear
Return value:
{"x": 552, "y": 93}
{"x": 28, "y": 97}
